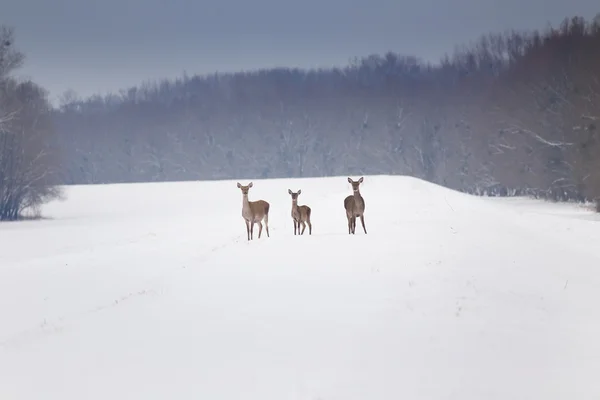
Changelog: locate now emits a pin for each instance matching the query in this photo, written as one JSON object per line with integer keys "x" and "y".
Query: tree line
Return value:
{"x": 513, "y": 113}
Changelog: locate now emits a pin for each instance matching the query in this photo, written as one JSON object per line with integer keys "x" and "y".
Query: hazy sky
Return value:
{"x": 105, "y": 45}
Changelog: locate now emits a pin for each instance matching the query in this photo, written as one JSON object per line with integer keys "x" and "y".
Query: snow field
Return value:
{"x": 151, "y": 291}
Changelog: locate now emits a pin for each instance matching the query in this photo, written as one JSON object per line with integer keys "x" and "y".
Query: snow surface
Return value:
{"x": 151, "y": 291}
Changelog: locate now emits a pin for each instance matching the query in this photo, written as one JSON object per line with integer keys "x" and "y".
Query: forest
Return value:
{"x": 512, "y": 113}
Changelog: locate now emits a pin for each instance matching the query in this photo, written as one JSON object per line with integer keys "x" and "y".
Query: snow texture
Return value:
{"x": 151, "y": 291}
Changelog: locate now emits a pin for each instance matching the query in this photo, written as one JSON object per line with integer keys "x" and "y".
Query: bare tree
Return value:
{"x": 28, "y": 172}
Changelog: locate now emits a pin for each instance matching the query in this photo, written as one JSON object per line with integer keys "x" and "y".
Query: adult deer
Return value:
{"x": 355, "y": 206}
{"x": 254, "y": 212}
{"x": 300, "y": 214}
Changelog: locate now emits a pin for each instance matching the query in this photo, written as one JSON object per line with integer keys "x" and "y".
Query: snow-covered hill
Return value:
{"x": 151, "y": 291}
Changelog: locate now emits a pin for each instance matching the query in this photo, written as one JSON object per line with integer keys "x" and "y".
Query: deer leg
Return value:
{"x": 294, "y": 226}
{"x": 353, "y": 224}
{"x": 303, "y": 227}
{"x": 259, "y": 228}
{"x": 248, "y": 228}
{"x": 349, "y": 224}
{"x": 266, "y": 219}
{"x": 309, "y": 227}
{"x": 252, "y": 230}
{"x": 362, "y": 221}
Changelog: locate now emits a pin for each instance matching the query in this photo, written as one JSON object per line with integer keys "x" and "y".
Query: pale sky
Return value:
{"x": 107, "y": 45}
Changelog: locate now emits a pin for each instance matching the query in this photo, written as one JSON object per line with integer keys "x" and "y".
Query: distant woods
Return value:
{"x": 515, "y": 113}
{"x": 28, "y": 163}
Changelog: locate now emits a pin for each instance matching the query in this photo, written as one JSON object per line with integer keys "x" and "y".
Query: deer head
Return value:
{"x": 355, "y": 184}
{"x": 294, "y": 195}
{"x": 244, "y": 189}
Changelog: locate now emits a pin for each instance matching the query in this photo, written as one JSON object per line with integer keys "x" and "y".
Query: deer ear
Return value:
{"x": 239, "y": 186}
{"x": 349, "y": 180}
{"x": 360, "y": 180}
{"x": 250, "y": 184}
{"x": 299, "y": 191}
{"x": 289, "y": 191}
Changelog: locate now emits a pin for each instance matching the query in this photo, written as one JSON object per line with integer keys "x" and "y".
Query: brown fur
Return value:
{"x": 254, "y": 212}
{"x": 300, "y": 214}
{"x": 355, "y": 206}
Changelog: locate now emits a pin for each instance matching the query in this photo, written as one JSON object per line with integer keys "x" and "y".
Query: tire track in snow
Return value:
{"x": 59, "y": 324}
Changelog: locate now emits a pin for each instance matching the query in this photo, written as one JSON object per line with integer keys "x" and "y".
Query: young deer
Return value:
{"x": 300, "y": 214}
{"x": 254, "y": 212}
{"x": 355, "y": 206}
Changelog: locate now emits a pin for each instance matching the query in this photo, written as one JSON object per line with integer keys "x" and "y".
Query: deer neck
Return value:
{"x": 294, "y": 204}
{"x": 358, "y": 198}
{"x": 245, "y": 202}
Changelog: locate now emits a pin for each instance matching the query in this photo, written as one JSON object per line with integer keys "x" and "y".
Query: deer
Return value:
{"x": 254, "y": 212}
{"x": 355, "y": 206}
{"x": 300, "y": 214}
